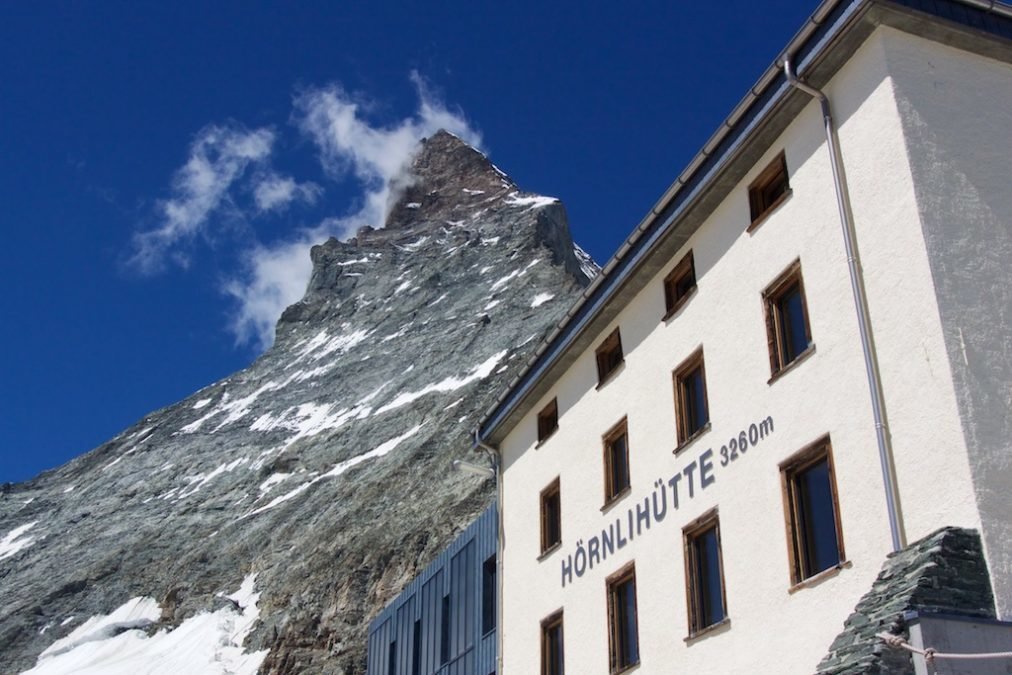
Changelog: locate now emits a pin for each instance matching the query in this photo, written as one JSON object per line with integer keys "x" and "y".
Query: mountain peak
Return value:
{"x": 445, "y": 175}
{"x": 315, "y": 480}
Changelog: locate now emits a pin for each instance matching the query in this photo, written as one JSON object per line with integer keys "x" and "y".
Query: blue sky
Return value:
{"x": 163, "y": 166}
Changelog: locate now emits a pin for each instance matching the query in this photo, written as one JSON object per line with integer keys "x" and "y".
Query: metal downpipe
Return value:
{"x": 861, "y": 306}
{"x": 496, "y": 459}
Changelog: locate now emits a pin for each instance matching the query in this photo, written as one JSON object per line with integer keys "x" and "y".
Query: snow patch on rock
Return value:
{"x": 114, "y": 644}
{"x": 15, "y": 540}
{"x": 479, "y": 372}
{"x": 541, "y": 298}
{"x": 338, "y": 469}
{"x": 533, "y": 202}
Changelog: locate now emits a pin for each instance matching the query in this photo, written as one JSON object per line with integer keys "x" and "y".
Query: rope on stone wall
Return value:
{"x": 930, "y": 654}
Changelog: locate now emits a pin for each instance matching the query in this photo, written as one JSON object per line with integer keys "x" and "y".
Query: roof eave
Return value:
{"x": 825, "y": 29}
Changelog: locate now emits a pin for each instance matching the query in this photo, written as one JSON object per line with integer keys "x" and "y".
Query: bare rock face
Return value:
{"x": 323, "y": 468}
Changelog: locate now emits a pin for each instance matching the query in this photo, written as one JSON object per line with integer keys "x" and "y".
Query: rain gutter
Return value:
{"x": 665, "y": 213}
{"x": 885, "y": 449}
{"x": 829, "y": 20}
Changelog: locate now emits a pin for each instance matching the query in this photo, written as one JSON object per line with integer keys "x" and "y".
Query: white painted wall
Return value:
{"x": 771, "y": 629}
{"x": 956, "y": 111}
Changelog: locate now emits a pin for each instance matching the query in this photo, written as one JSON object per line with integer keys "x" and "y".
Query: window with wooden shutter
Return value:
{"x": 704, "y": 573}
{"x": 623, "y": 625}
{"x": 552, "y": 647}
{"x": 692, "y": 410}
{"x": 609, "y": 356}
{"x": 548, "y": 420}
{"x": 768, "y": 191}
{"x": 812, "y": 511}
{"x": 616, "y": 461}
{"x": 679, "y": 285}
{"x": 551, "y": 517}
{"x": 788, "y": 334}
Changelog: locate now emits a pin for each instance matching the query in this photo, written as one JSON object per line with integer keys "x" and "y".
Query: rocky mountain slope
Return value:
{"x": 260, "y": 523}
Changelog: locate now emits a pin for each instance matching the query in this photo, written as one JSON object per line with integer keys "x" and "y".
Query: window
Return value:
{"x": 679, "y": 285}
{"x": 813, "y": 513}
{"x": 552, "y": 661}
{"x": 787, "y": 329}
{"x": 616, "y": 461}
{"x": 623, "y": 633}
{"x": 548, "y": 420}
{"x": 444, "y": 635}
{"x": 768, "y": 190}
{"x": 704, "y": 573}
{"x": 416, "y": 649}
{"x": 609, "y": 356}
{"x": 691, "y": 410}
{"x": 488, "y": 593}
{"x": 551, "y": 517}
{"x": 392, "y": 659}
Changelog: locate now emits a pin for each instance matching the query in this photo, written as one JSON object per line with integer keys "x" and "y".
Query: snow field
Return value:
{"x": 15, "y": 540}
{"x": 209, "y": 643}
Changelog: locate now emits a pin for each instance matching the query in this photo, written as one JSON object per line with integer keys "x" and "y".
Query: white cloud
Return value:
{"x": 378, "y": 157}
{"x": 273, "y": 192}
{"x": 273, "y": 278}
{"x": 218, "y": 157}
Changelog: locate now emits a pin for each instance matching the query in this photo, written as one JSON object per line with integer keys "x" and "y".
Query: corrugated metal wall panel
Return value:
{"x": 457, "y": 573}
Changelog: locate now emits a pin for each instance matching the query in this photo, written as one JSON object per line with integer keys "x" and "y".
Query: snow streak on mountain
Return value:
{"x": 258, "y": 525}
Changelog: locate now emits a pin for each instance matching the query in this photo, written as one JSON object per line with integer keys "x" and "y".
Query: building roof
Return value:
{"x": 942, "y": 574}
{"x": 825, "y": 42}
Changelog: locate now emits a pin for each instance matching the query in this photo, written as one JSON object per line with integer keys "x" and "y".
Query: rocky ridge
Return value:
{"x": 316, "y": 480}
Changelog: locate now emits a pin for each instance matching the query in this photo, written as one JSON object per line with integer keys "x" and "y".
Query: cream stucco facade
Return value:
{"x": 944, "y": 349}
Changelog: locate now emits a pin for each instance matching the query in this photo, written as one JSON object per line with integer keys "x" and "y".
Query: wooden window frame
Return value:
{"x": 608, "y": 440}
{"x": 607, "y": 365}
{"x": 553, "y": 490}
{"x": 684, "y": 369}
{"x": 621, "y": 577}
{"x": 690, "y": 534}
{"x": 673, "y": 300}
{"x": 759, "y": 204}
{"x": 548, "y": 420}
{"x": 804, "y": 459}
{"x": 775, "y": 337}
{"x": 550, "y": 622}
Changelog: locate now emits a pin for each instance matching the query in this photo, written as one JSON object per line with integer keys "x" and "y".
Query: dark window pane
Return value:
{"x": 444, "y": 637}
{"x": 771, "y": 184}
{"x": 613, "y": 359}
{"x": 552, "y": 519}
{"x": 548, "y": 420}
{"x": 773, "y": 191}
{"x": 629, "y": 638}
{"x": 819, "y": 548}
{"x": 710, "y": 592}
{"x": 695, "y": 402}
{"x": 416, "y": 649}
{"x": 619, "y": 465}
{"x": 684, "y": 285}
{"x": 609, "y": 356}
{"x": 392, "y": 659}
{"x": 488, "y": 593}
{"x": 554, "y": 650}
{"x": 625, "y": 650}
{"x": 792, "y": 324}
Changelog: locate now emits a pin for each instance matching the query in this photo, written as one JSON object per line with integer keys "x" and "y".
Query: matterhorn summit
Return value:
{"x": 259, "y": 524}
